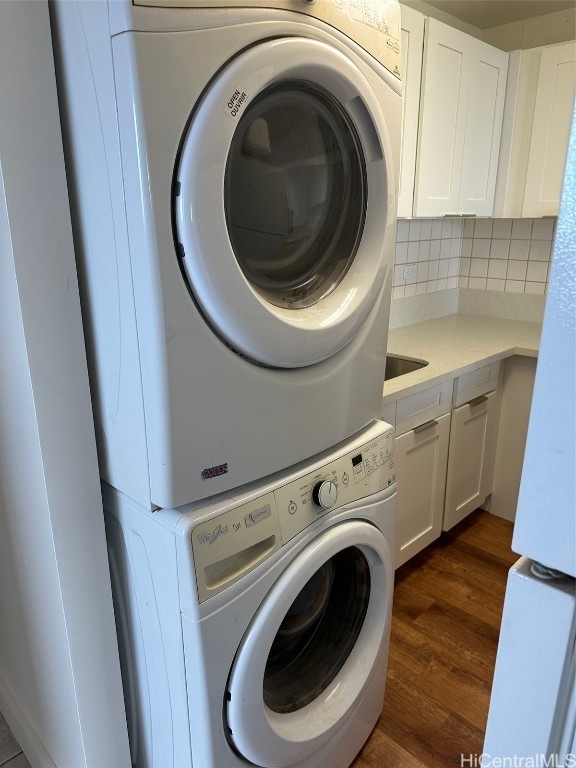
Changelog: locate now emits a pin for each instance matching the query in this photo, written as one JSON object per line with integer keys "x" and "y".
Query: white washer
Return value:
{"x": 255, "y": 630}
{"x": 233, "y": 174}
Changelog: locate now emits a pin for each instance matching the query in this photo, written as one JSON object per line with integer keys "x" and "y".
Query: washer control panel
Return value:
{"x": 228, "y": 545}
{"x": 365, "y": 470}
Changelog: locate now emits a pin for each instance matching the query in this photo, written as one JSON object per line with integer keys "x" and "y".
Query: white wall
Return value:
{"x": 60, "y": 688}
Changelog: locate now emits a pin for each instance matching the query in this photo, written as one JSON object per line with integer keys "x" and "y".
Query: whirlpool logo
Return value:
{"x": 209, "y": 537}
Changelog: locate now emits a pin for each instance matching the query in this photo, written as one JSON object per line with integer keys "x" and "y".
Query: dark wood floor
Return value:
{"x": 446, "y": 617}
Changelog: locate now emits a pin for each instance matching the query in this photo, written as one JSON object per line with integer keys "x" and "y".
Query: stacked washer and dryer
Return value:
{"x": 233, "y": 174}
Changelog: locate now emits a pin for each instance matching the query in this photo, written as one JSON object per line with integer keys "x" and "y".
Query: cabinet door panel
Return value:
{"x": 483, "y": 129}
{"x": 471, "y": 459}
{"x": 412, "y": 44}
{"x": 420, "y": 459}
{"x": 442, "y": 121}
{"x": 552, "y": 120}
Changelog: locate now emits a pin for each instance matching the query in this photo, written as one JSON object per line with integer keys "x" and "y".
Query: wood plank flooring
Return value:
{"x": 446, "y": 617}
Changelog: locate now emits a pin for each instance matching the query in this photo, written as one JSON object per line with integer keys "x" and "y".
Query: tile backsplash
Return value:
{"x": 510, "y": 255}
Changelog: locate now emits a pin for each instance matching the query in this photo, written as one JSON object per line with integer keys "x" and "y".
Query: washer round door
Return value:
{"x": 281, "y": 202}
{"x": 310, "y": 651}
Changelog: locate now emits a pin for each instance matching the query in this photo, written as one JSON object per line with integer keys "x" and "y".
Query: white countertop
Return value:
{"x": 456, "y": 344}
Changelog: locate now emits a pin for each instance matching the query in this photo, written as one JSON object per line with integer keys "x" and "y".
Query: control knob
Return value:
{"x": 325, "y": 494}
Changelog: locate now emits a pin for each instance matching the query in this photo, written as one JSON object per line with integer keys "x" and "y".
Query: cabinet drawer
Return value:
{"x": 476, "y": 383}
{"x": 423, "y": 406}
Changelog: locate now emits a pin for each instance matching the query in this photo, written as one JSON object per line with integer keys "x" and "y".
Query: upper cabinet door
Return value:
{"x": 442, "y": 120}
{"x": 463, "y": 88}
{"x": 552, "y": 118}
{"x": 412, "y": 46}
{"x": 485, "y": 108}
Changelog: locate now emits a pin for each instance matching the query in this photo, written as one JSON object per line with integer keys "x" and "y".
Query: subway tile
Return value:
{"x": 424, "y": 252}
{"x": 482, "y": 228}
{"x": 499, "y": 249}
{"x": 402, "y": 229}
{"x": 462, "y": 281}
{"x": 453, "y": 267}
{"x": 414, "y": 230}
{"x": 413, "y": 251}
{"x": 431, "y": 286}
{"x": 516, "y": 270}
{"x": 398, "y": 292}
{"x": 535, "y": 288}
{"x": 543, "y": 229}
{"x": 457, "y": 228}
{"x": 521, "y": 229}
{"x": 497, "y": 268}
{"x": 465, "y": 267}
{"x": 468, "y": 228}
{"x": 478, "y": 267}
{"x": 442, "y": 269}
{"x": 455, "y": 248}
{"x": 433, "y": 270}
{"x": 399, "y": 275}
{"x": 446, "y": 229}
{"x": 435, "y": 249}
{"x": 445, "y": 249}
{"x": 495, "y": 285}
{"x": 410, "y": 290}
{"x": 537, "y": 271}
{"x": 421, "y": 288}
{"x": 480, "y": 248}
{"x": 466, "y": 248}
{"x": 437, "y": 229}
{"x": 540, "y": 250}
{"x": 452, "y": 282}
{"x": 401, "y": 253}
{"x": 477, "y": 283}
{"x": 519, "y": 249}
{"x": 426, "y": 229}
{"x": 442, "y": 284}
{"x": 502, "y": 229}
{"x": 514, "y": 286}
{"x": 422, "y": 272}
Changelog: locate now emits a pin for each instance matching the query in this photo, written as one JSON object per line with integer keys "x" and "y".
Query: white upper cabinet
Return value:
{"x": 461, "y": 106}
{"x": 411, "y": 48}
{"x": 550, "y": 132}
{"x": 537, "y": 117}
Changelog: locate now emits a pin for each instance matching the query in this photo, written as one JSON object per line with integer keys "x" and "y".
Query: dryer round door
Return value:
{"x": 281, "y": 202}
{"x": 308, "y": 655}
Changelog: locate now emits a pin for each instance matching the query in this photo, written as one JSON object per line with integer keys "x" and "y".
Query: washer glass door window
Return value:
{"x": 318, "y": 632}
{"x": 283, "y": 198}
{"x": 295, "y": 193}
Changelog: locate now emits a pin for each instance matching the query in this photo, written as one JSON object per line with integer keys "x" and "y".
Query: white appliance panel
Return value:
{"x": 181, "y": 416}
{"x": 178, "y": 646}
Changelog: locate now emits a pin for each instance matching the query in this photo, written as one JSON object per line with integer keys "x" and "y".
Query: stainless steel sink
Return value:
{"x": 398, "y": 366}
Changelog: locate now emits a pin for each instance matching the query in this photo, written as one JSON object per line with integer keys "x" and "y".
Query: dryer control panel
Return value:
{"x": 239, "y": 535}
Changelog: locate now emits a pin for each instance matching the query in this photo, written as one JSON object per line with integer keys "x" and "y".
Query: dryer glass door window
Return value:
{"x": 295, "y": 193}
{"x": 318, "y": 632}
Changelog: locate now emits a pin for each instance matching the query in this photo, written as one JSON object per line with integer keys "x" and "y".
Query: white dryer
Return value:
{"x": 233, "y": 173}
{"x": 255, "y": 630}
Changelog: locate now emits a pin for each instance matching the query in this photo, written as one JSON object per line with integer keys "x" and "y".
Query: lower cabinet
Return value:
{"x": 421, "y": 460}
{"x": 445, "y": 454}
{"x": 473, "y": 438}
